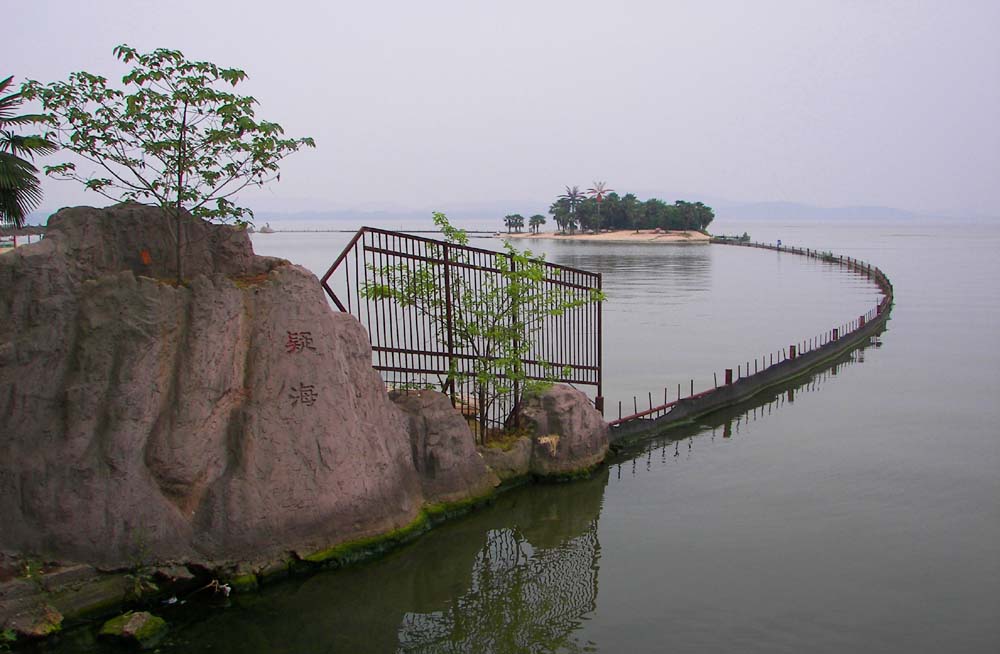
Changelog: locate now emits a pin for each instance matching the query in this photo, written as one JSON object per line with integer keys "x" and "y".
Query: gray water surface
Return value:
{"x": 857, "y": 510}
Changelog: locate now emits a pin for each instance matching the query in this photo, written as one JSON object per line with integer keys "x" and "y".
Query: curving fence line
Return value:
{"x": 741, "y": 383}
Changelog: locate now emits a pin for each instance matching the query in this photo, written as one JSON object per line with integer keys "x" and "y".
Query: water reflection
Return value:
{"x": 518, "y": 576}
{"x": 728, "y": 423}
{"x": 631, "y": 272}
{"x": 532, "y": 581}
{"x": 521, "y": 599}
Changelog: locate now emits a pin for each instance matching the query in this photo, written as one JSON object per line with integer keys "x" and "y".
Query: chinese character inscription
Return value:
{"x": 304, "y": 394}
{"x": 299, "y": 342}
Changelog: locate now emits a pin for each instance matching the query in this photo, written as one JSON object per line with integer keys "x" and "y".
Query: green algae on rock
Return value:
{"x": 140, "y": 628}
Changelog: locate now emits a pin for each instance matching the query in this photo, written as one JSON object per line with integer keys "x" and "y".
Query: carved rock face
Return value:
{"x": 568, "y": 434}
{"x": 236, "y": 417}
{"x": 443, "y": 450}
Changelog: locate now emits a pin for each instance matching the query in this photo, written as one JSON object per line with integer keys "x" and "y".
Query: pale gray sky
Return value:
{"x": 434, "y": 104}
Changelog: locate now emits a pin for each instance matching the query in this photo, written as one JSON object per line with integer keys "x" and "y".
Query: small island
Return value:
{"x": 600, "y": 214}
{"x": 656, "y": 235}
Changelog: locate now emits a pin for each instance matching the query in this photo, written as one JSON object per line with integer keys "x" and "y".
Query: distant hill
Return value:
{"x": 409, "y": 219}
{"x": 489, "y": 215}
{"x": 793, "y": 211}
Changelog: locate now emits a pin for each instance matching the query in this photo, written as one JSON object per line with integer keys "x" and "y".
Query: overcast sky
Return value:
{"x": 438, "y": 104}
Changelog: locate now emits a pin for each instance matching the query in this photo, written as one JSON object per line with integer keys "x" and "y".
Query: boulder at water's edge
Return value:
{"x": 569, "y": 436}
{"x": 443, "y": 449}
{"x": 231, "y": 418}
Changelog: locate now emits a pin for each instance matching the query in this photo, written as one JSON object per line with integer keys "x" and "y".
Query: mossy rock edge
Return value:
{"x": 140, "y": 628}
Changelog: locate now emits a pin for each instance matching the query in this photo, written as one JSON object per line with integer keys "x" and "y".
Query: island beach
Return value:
{"x": 620, "y": 236}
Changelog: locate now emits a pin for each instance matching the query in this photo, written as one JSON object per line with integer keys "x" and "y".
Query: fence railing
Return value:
{"x": 430, "y": 345}
{"x": 773, "y": 365}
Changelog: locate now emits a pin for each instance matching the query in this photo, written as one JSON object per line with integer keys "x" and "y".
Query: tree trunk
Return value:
{"x": 180, "y": 186}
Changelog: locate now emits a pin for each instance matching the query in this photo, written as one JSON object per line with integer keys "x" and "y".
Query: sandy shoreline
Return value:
{"x": 619, "y": 236}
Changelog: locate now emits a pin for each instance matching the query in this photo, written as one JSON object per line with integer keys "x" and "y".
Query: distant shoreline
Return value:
{"x": 619, "y": 236}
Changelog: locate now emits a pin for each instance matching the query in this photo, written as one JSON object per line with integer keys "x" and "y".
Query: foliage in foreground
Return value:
{"x": 495, "y": 318}
{"x": 175, "y": 136}
{"x": 20, "y": 189}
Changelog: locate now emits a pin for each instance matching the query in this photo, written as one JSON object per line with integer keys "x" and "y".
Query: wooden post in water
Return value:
{"x": 791, "y": 352}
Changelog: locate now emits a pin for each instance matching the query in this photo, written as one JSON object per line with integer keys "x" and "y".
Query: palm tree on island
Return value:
{"x": 513, "y": 221}
{"x": 598, "y": 191}
{"x": 20, "y": 190}
{"x": 536, "y": 221}
{"x": 573, "y": 197}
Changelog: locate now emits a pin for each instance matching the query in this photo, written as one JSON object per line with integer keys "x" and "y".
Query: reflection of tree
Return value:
{"x": 521, "y": 599}
{"x": 518, "y": 575}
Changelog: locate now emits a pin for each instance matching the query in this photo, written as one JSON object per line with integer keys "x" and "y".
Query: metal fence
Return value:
{"x": 650, "y": 410}
{"x": 437, "y": 342}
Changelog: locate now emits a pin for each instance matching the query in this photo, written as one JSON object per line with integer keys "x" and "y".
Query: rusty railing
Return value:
{"x": 420, "y": 347}
{"x": 769, "y": 369}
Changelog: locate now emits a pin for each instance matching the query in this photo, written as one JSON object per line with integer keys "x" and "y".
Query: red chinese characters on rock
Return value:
{"x": 299, "y": 342}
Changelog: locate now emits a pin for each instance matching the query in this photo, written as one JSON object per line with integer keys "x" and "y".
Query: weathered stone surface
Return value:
{"x": 113, "y": 239}
{"x": 36, "y": 621}
{"x": 93, "y": 596}
{"x": 510, "y": 461}
{"x": 442, "y": 448}
{"x": 568, "y": 434}
{"x": 174, "y": 574}
{"x": 32, "y": 605}
{"x": 19, "y": 588}
{"x": 235, "y": 417}
{"x": 64, "y": 577}
{"x": 140, "y": 628}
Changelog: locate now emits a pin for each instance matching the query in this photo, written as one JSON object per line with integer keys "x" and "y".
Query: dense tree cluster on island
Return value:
{"x": 602, "y": 208}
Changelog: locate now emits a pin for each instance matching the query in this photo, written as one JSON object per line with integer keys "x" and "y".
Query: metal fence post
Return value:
{"x": 599, "y": 399}
{"x": 448, "y": 326}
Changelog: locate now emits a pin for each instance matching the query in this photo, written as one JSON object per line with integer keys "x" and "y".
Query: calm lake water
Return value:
{"x": 857, "y": 511}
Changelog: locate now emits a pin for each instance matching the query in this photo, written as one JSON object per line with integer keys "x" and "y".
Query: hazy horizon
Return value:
{"x": 446, "y": 105}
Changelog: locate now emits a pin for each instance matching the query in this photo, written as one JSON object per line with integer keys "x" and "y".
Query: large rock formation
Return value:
{"x": 443, "y": 448}
{"x": 234, "y": 417}
{"x": 564, "y": 436}
{"x": 568, "y": 434}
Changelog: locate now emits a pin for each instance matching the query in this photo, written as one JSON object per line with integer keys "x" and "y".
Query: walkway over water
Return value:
{"x": 426, "y": 347}
{"x": 776, "y": 368}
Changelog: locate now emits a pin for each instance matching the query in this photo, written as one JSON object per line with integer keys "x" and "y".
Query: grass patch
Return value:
{"x": 249, "y": 281}
{"x": 505, "y": 440}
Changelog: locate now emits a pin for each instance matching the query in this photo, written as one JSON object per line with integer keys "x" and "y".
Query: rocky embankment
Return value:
{"x": 231, "y": 425}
